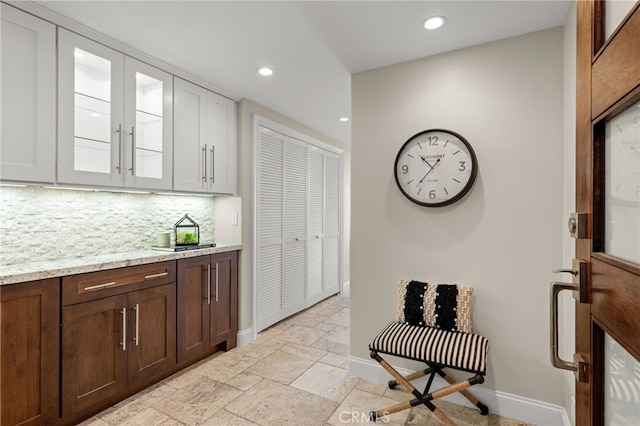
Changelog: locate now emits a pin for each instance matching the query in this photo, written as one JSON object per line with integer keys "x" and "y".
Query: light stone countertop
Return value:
{"x": 13, "y": 274}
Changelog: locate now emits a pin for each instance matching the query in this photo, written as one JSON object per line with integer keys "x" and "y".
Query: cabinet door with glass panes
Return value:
{"x": 114, "y": 118}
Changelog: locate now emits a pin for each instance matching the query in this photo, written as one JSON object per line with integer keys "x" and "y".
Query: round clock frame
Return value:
{"x": 426, "y": 171}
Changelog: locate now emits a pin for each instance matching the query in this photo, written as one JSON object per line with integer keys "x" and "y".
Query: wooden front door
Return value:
{"x": 608, "y": 193}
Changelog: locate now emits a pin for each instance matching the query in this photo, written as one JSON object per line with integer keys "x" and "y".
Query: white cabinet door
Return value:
{"x": 295, "y": 226}
{"x": 190, "y": 115}
{"x": 332, "y": 252}
{"x": 315, "y": 235}
{"x": 148, "y": 128}
{"x": 90, "y": 112}
{"x": 115, "y": 120}
{"x": 205, "y": 140}
{"x": 269, "y": 228}
{"x": 28, "y": 55}
{"x": 222, "y": 144}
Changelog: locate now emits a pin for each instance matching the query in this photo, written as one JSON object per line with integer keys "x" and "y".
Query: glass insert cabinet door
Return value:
{"x": 115, "y": 126}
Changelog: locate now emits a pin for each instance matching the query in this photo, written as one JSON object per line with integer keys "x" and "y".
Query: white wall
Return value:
{"x": 246, "y": 111}
{"x": 504, "y": 237}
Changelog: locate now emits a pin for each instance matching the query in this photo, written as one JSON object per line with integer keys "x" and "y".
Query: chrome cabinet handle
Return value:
{"x": 160, "y": 274}
{"x": 132, "y": 169}
{"x": 99, "y": 286}
{"x": 204, "y": 164}
{"x": 124, "y": 329}
{"x": 209, "y": 283}
{"x": 216, "y": 282}
{"x": 119, "y": 131}
{"x": 213, "y": 162}
{"x": 136, "y": 338}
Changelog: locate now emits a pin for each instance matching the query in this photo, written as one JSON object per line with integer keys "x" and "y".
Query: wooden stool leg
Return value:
{"x": 484, "y": 410}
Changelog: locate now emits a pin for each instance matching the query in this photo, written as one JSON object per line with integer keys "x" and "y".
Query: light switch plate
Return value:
{"x": 234, "y": 218}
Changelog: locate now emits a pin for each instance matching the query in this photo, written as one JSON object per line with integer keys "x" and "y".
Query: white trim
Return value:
{"x": 500, "y": 403}
{"x": 65, "y": 22}
{"x": 245, "y": 337}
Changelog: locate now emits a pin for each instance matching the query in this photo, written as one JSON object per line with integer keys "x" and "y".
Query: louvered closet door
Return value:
{"x": 295, "y": 226}
{"x": 270, "y": 209}
{"x": 315, "y": 235}
{"x": 332, "y": 224}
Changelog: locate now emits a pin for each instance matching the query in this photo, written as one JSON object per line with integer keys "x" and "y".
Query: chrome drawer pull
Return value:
{"x": 99, "y": 286}
{"x": 160, "y": 274}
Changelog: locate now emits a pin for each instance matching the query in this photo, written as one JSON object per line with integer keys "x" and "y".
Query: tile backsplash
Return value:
{"x": 46, "y": 224}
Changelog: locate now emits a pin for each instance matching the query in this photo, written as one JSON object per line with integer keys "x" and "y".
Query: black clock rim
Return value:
{"x": 465, "y": 189}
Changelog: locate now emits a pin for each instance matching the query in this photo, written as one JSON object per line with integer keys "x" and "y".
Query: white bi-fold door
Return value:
{"x": 298, "y": 225}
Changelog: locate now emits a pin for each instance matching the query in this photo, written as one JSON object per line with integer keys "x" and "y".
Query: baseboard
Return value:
{"x": 245, "y": 337}
{"x": 501, "y": 403}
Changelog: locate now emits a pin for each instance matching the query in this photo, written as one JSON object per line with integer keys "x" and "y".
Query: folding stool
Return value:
{"x": 432, "y": 325}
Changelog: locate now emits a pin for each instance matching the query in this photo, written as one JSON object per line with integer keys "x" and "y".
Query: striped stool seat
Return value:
{"x": 458, "y": 350}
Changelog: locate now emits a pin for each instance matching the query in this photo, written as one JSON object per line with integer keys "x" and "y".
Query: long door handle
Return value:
{"x": 124, "y": 329}
{"x": 216, "y": 282}
{"x": 119, "y": 166}
{"x": 213, "y": 164}
{"x": 132, "y": 169}
{"x": 136, "y": 337}
{"x": 556, "y": 361}
{"x": 209, "y": 284}
{"x": 578, "y": 366}
{"x": 204, "y": 164}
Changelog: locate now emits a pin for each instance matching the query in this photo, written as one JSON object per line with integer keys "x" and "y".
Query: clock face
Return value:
{"x": 435, "y": 168}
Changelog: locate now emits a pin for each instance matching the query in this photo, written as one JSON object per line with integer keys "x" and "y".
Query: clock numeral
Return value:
{"x": 410, "y": 182}
{"x": 456, "y": 180}
{"x": 405, "y": 169}
{"x": 445, "y": 191}
{"x": 456, "y": 152}
{"x": 433, "y": 140}
{"x": 419, "y": 190}
{"x": 432, "y": 194}
{"x": 462, "y": 167}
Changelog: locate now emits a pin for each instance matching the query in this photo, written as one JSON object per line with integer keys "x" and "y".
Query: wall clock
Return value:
{"x": 435, "y": 168}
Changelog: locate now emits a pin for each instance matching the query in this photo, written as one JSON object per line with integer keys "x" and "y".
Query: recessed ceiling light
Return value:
{"x": 265, "y": 71}
{"x": 434, "y": 22}
{"x": 343, "y": 119}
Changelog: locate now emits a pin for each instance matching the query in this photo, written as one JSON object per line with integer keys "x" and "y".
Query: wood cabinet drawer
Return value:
{"x": 96, "y": 285}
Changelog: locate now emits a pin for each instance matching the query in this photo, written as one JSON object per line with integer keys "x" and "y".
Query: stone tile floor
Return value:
{"x": 293, "y": 374}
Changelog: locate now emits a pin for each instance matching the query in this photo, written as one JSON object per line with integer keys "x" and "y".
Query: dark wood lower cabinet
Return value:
{"x": 29, "y": 353}
{"x": 114, "y": 346}
{"x": 207, "y": 305}
{"x": 118, "y": 335}
{"x": 72, "y": 347}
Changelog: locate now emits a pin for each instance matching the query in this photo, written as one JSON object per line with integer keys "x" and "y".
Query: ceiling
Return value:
{"x": 313, "y": 46}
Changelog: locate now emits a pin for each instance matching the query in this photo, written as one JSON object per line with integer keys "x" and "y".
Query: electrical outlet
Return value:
{"x": 234, "y": 218}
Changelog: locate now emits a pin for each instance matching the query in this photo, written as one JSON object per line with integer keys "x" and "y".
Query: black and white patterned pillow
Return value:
{"x": 444, "y": 306}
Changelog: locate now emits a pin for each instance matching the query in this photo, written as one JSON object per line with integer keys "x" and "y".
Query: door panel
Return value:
{"x": 152, "y": 335}
{"x": 193, "y": 309}
{"x": 608, "y": 83}
{"x": 94, "y": 357}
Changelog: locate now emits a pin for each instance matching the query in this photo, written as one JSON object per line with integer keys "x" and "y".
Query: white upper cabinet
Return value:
{"x": 114, "y": 118}
{"x": 205, "y": 140}
{"x": 28, "y": 55}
